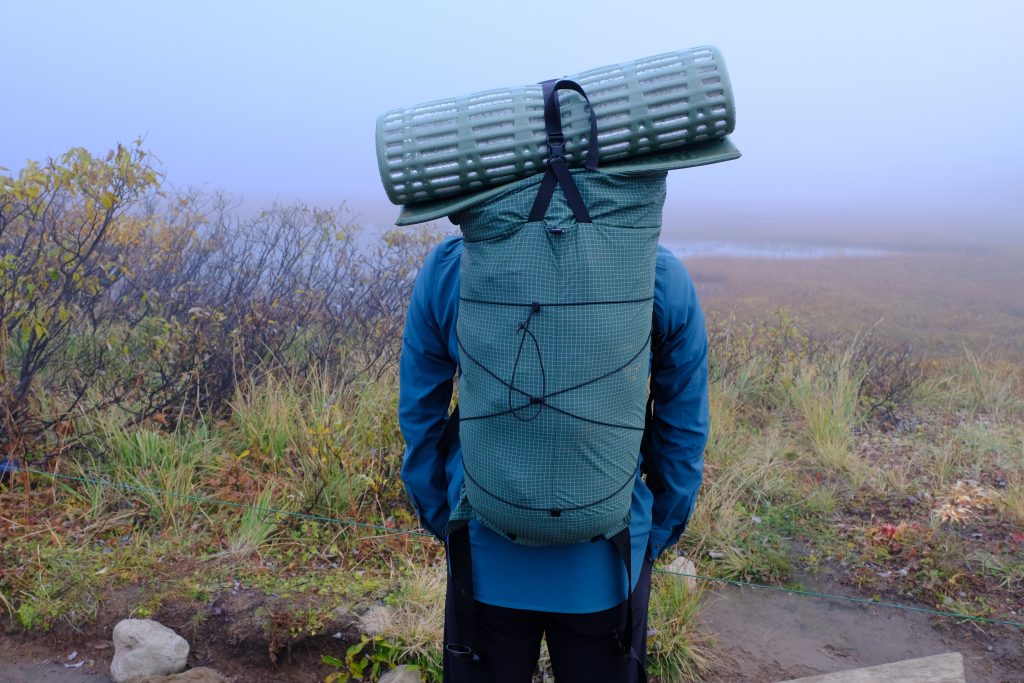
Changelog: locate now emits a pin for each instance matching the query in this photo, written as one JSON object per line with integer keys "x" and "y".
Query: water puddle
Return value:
{"x": 766, "y": 250}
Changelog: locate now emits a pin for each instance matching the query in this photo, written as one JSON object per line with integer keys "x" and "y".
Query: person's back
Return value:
{"x": 566, "y": 591}
{"x": 551, "y": 310}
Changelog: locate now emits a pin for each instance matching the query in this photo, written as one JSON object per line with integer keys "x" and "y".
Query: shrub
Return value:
{"x": 118, "y": 296}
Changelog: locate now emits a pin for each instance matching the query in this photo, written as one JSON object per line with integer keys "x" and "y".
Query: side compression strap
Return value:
{"x": 650, "y": 467}
{"x": 449, "y": 433}
{"x": 461, "y": 567}
{"x": 623, "y": 547}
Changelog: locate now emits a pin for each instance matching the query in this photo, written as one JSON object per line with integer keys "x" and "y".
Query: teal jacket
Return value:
{"x": 582, "y": 577}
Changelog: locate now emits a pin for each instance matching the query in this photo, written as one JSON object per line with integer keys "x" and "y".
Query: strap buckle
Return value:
{"x": 556, "y": 147}
{"x": 462, "y": 652}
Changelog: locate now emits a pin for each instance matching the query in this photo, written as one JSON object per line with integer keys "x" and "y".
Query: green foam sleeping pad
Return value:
{"x": 457, "y": 146}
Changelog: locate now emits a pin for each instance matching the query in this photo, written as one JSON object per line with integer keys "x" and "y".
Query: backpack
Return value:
{"x": 554, "y": 336}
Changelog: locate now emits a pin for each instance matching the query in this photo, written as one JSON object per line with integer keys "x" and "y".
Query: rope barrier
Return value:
{"x": 412, "y": 532}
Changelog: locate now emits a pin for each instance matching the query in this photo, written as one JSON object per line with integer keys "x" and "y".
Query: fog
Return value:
{"x": 866, "y": 120}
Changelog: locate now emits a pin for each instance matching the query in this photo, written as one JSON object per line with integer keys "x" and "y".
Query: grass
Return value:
{"x": 412, "y": 620}
{"x": 256, "y": 525}
{"x": 805, "y": 474}
{"x": 921, "y": 499}
{"x": 825, "y": 400}
{"x": 989, "y": 385}
{"x": 677, "y": 648}
{"x": 742, "y": 481}
{"x": 162, "y": 470}
{"x": 1011, "y": 503}
{"x": 798, "y": 477}
{"x": 942, "y": 301}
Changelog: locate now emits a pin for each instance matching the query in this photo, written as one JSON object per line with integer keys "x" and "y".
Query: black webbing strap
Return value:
{"x": 461, "y": 565}
{"x": 448, "y": 434}
{"x": 557, "y": 172}
{"x": 649, "y": 466}
{"x": 623, "y": 547}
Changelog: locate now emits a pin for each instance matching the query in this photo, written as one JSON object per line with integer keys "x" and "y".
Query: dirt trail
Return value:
{"x": 765, "y": 636}
{"x": 762, "y": 637}
{"x": 30, "y": 660}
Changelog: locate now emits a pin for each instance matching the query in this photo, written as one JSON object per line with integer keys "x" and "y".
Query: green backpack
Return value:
{"x": 554, "y": 337}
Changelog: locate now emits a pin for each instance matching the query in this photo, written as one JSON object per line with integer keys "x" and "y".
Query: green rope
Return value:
{"x": 409, "y": 532}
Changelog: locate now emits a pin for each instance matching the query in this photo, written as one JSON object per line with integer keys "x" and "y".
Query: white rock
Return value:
{"x": 376, "y": 620}
{"x": 682, "y": 565}
{"x": 143, "y": 648}
{"x": 402, "y": 674}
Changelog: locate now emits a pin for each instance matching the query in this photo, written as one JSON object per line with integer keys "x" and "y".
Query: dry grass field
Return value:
{"x": 939, "y": 300}
{"x": 837, "y": 457}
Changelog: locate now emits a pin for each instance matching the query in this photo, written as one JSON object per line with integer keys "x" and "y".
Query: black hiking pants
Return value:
{"x": 584, "y": 648}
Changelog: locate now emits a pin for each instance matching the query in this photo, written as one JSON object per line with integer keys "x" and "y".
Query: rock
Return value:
{"x": 144, "y": 648}
{"x": 200, "y": 675}
{"x": 376, "y": 619}
{"x": 402, "y": 674}
{"x": 682, "y": 565}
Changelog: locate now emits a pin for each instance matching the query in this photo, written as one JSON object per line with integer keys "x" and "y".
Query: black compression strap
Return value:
{"x": 557, "y": 172}
{"x": 651, "y": 469}
{"x": 461, "y": 565}
{"x": 623, "y": 547}
{"x": 450, "y": 432}
{"x": 553, "y": 116}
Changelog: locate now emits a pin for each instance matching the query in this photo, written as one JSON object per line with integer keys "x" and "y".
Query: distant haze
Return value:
{"x": 855, "y": 118}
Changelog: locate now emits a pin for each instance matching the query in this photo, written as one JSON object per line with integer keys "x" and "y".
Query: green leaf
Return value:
{"x": 332, "y": 661}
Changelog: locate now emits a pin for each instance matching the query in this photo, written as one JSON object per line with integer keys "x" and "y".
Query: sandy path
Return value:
{"x": 764, "y": 636}
{"x": 24, "y": 664}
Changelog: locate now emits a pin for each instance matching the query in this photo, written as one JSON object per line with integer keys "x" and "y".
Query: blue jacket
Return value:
{"x": 582, "y": 577}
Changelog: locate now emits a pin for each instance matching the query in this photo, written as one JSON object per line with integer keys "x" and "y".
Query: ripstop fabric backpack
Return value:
{"x": 554, "y": 337}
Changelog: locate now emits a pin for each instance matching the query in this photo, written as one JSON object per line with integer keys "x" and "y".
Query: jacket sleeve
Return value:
{"x": 426, "y": 372}
{"x": 680, "y": 387}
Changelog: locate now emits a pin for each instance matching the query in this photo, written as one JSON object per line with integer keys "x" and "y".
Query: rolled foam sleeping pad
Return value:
{"x": 461, "y": 145}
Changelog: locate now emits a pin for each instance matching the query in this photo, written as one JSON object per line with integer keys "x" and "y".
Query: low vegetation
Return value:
{"x": 910, "y": 497}
{"x": 207, "y": 405}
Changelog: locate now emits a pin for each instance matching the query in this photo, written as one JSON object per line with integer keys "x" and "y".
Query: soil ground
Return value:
{"x": 761, "y": 636}
{"x": 230, "y": 638}
{"x": 765, "y": 636}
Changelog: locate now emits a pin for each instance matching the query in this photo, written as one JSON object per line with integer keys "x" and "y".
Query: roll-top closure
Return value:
{"x": 603, "y": 193}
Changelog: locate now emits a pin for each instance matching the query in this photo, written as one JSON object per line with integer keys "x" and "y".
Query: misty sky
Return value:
{"x": 904, "y": 108}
